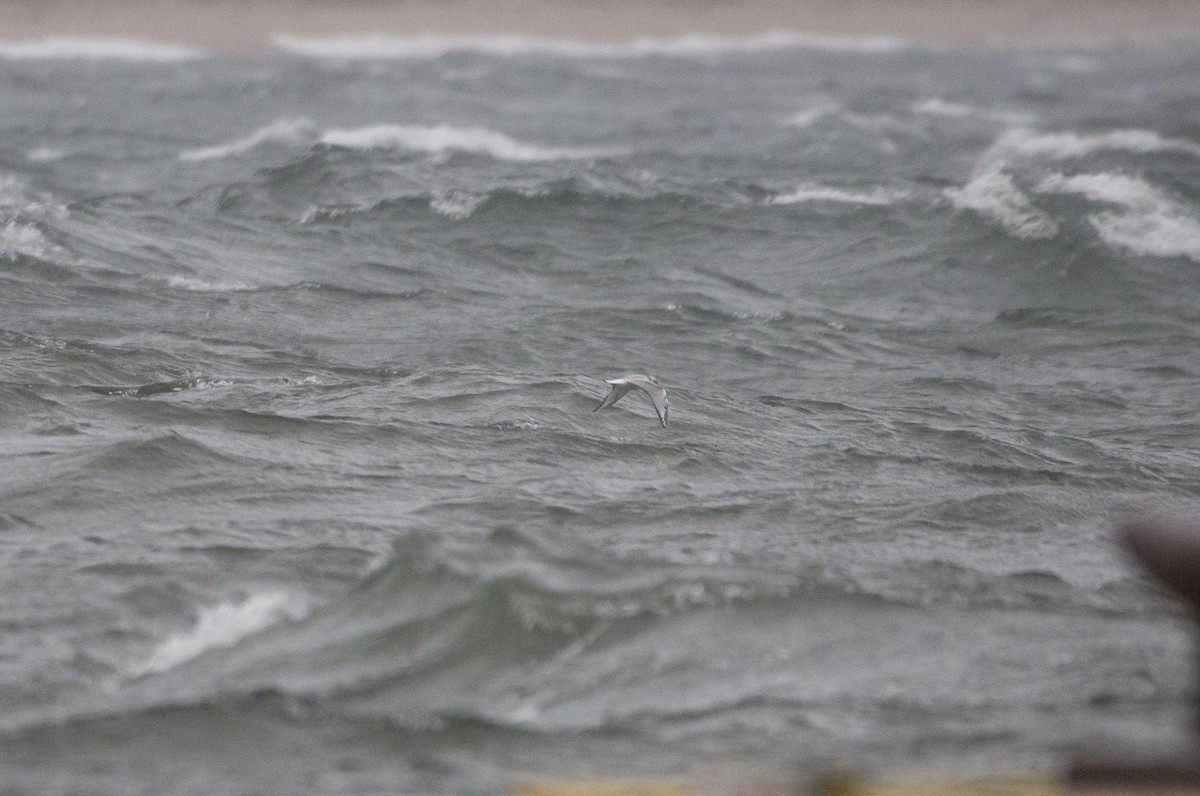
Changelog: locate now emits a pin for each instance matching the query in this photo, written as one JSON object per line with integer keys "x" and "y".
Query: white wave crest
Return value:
{"x": 201, "y": 286}
{"x": 19, "y": 217}
{"x": 1119, "y": 189}
{"x": 441, "y": 139}
{"x": 959, "y": 110}
{"x": 993, "y": 195}
{"x": 822, "y": 193}
{"x": 812, "y": 114}
{"x": 45, "y": 154}
{"x": 695, "y": 45}
{"x": 221, "y": 626}
{"x": 280, "y": 130}
{"x": 1060, "y": 146}
{"x": 456, "y": 204}
{"x": 1149, "y": 223}
{"x": 25, "y": 240}
{"x": 329, "y": 212}
{"x": 71, "y": 47}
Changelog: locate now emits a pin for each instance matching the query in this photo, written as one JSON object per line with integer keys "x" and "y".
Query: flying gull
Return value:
{"x": 647, "y": 384}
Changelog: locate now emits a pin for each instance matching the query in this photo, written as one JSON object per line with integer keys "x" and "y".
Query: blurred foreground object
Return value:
{"x": 1170, "y": 550}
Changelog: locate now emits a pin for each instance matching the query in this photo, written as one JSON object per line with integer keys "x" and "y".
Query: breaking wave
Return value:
{"x": 822, "y": 193}
{"x": 441, "y": 139}
{"x": 221, "y": 626}
{"x": 1061, "y": 146}
{"x": 994, "y": 195}
{"x": 280, "y": 130}
{"x": 1148, "y": 221}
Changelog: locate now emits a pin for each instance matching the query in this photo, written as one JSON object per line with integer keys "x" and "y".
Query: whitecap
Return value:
{"x": 822, "y": 193}
{"x": 694, "y": 45}
{"x": 812, "y": 114}
{"x": 45, "y": 154}
{"x": 441, "y": 139}
{"x": 18, "y": 239}
{"x": 72, "y": 47}
{"x": 1149, "y": 222}
{"x": 1119, "y": 189}
{"x": 935, "y": 106}
{"x": 19, "y": 234}
{"x": 201, "y": 286}
{"x": 317, "y": 214}
{"x": 280, "y": 130}
{"x": 994, "y": 195}
{"x": 223, "y": 625}
{"x": 1060, "y": 146}
{"x": 456, "y": 204}
{"x": 16, "y": 201}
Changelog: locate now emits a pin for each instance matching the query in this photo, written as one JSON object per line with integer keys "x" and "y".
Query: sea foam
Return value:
{"x": 823, "y": 193}
{"x": 1060, "y": 146}
{"x": 1147, "y": 222}
{"x": 20, "y": 234}
{"x": 223, "y": 625}
{"x": 71, "y": 47}
{"x": 695, "y": 45}
{"x": 441, "y": 139}
{"x": 456, "y": 204}
{"x": 993, "y": 194}
{"x": 202, "y": 286}
{"x": 18, "y": 239}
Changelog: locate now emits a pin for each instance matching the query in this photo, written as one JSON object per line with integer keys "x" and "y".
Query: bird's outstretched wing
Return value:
{"x": 619, "y": 388}
{"x": 647, "y": 384}
{"x": 658, "y": 396}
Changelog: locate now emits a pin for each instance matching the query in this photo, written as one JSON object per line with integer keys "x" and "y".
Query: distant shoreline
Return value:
{"x": 251, "y": 24}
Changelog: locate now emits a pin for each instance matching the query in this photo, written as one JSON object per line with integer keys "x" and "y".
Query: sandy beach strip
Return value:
{"x": 251, "y": 24}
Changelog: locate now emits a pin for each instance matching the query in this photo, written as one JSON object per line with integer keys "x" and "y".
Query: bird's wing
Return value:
{"x": 619, "y": 388}
{"x": 658, "y": 396}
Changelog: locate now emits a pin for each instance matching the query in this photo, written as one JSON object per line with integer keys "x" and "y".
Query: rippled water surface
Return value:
{"x": 302, "y": 490}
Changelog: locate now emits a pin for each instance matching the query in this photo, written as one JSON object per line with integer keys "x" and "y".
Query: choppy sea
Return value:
{"x": 301, "y": 489}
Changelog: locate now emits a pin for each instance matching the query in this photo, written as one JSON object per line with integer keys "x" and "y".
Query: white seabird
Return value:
{"x": 647, "y": 384}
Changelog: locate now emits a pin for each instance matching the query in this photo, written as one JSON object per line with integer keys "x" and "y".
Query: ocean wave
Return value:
{"x": 442, "y": 139}
{"x": 20, "y": 233}
{"x": 994, "y": 194}
{"x": 1149, "y": 222}
{"x": 935, "y": 106}
{"x": 532, "y": 594}
{"x": 12, "y": 192}
{"x": 456, "y": 204}
{"x": 822, "y": 193}
{"x": 222, "y": 625}
{"x": 557, "y": 194}
{"x": 94, "y": 49}
{"x": 327, "y": 213}
{"x": 204, "y": 286}
{"x": 280, "y": 130}
{"x": 17, "y": 240}
{"x": 1065, "y": 145}
{"x": 16, "y": 199}
{"x": 45, "y": 154}
{"x": 696, "y": 45}
{"x": 811, "y": 114}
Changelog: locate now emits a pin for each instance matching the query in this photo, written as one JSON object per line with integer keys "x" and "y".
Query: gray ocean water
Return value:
{"x": 301, "y": 486}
